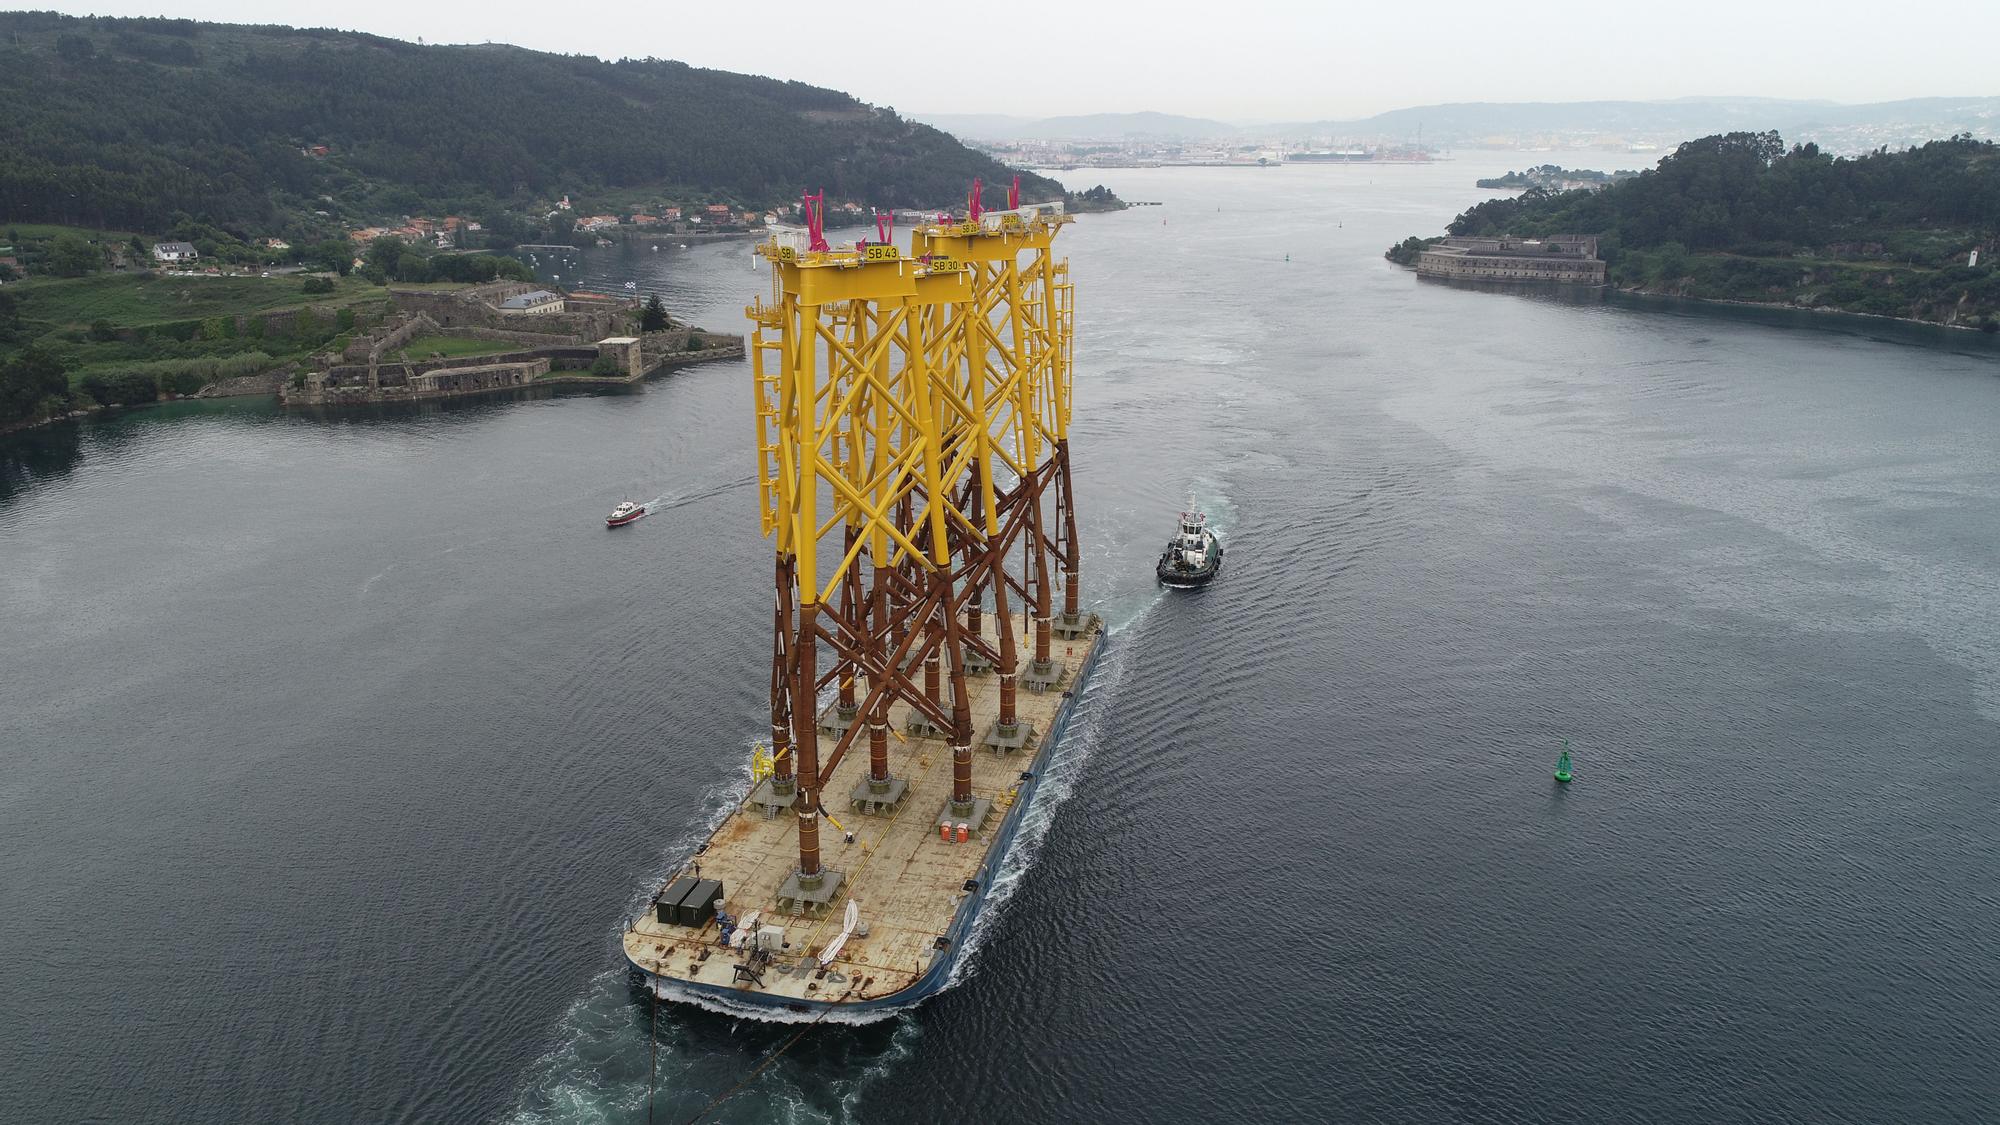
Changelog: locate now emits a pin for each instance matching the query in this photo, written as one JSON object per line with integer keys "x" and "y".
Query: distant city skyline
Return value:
{"x": 1277, "y": 60}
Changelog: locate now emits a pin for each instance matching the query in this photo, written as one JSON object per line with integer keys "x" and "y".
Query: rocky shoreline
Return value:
{"x": 1988, "y": 328}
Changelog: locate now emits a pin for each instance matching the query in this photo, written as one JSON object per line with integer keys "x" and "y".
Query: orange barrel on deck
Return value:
{"x": 964, "y": 832}
{"x": 944, "y": 833}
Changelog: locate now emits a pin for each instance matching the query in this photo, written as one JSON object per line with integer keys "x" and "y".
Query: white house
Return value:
{"x": 174, "y": 252}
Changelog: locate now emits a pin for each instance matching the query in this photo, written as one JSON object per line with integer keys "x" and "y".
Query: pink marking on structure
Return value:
{"x": 814, "y": 207}
{"x": 885, "y": 227}
{"x": 972, "y": 204}
{"x": 1014, "y": 195}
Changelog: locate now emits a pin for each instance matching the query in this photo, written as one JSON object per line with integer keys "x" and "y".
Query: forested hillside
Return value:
{"x": 1739, "y": 216}
{"x": 122, "y": 123}
{"x": 1744, "y": 191}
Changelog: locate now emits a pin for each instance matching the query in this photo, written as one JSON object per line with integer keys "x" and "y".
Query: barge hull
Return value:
{"x": 655, "y": 966}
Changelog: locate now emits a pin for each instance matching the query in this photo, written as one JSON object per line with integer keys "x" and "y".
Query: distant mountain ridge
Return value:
{"x": 1466, "y": 123}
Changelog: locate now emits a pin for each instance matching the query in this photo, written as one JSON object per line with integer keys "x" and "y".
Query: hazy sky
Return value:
{"x": 1243, "y": 60}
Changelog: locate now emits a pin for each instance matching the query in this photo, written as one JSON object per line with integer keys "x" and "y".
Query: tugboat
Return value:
{"x": 624, "y": 513}
{"x": 1193, "y": 556}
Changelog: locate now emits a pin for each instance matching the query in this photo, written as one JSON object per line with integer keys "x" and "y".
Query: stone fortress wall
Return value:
{"x": 1567, "y": 258}
{"x": 377, "y": 367}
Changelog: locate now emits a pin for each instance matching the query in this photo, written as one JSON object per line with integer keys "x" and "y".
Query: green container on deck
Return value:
{"x": 699, "y": 905}
{"x": 666, "y": 908}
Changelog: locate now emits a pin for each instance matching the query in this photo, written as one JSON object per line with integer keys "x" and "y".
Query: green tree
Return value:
{"x": 1405, "y": 253}
{"x": 385, "y": 254}
{"x": 1670, "y": 262}
{"x": 32, "y": 386}
{"x": 184, "y": 382}
{"x": 130, "y": 389}
{"x": 75, "y": 48}
{"x": 654, "y": 317}
{"x": 333, "y": 255}
{"x": 70, "y": 256}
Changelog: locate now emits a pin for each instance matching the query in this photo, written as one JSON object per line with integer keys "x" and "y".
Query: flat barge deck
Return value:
{"x": 917, "y": 893}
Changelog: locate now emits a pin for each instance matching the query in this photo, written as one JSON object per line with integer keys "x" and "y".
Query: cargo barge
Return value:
{"x": 912, "y": 412}
{"x": 919, "y": 895}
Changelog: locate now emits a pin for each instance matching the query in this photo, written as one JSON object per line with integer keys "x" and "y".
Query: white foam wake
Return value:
{"x": 669, "y": 502}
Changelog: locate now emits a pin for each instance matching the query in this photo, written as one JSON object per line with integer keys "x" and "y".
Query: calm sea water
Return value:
{"x": 333, "y": 751}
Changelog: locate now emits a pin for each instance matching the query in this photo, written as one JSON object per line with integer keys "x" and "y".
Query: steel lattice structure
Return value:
{"x": 913, "y": 463}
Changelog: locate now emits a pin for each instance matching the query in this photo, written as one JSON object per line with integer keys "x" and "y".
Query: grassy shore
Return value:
{"x": 452, "y": 346}
{"x": 185, "y": 331}
{"x": 137, "y": 300}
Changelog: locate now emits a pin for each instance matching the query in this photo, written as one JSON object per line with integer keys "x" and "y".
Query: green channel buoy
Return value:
{"x": 1562, "y": 764}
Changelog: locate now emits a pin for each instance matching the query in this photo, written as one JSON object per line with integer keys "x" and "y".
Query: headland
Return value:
{"x": 1739, "y": 217}
{"x": 495, "y": 337}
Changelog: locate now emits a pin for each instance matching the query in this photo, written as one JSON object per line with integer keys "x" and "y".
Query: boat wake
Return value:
{"x": 597, "y": 1069}
{"x": 667, "y": 503}
{"x": 1059, "y": 778}
{"x": 1210, "y": 499}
